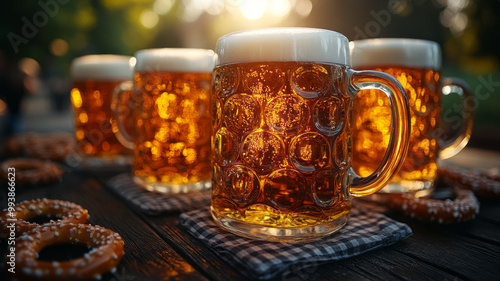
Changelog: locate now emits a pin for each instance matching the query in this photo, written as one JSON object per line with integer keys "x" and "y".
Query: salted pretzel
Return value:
{"x": 482, "y": 183}
{"x": 462, "y": 208}
{"x": 107, "y": 251}
{"x": 52, "y": 146}
{"x": 26, "y": 171}
{"x": 15, "y": 145}
{"x": 66, "y": 212}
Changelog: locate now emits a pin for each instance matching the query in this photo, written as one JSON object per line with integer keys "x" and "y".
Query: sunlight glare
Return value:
{"x": 280, "y": 8}
{"x": 193, "y": 9}
{"x": 459, "y": 23}
{"x": 149, "y": 18}
{"x": 216, "y": 7}
{"x": 162, "y": 7}
{"x": 253, "y": 9}
{"x": 303, "y": 8}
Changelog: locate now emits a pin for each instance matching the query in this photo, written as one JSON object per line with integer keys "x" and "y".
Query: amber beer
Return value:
{"x": 172, "y": 128}
{"x": 416, "y": 64}
{"x": 281, "y": 133}
{"x": 94, "y": 78}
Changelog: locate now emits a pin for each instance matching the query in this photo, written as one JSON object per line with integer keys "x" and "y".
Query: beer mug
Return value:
{"x": 281, "y": 138}
{"x": 417, "y": 66}
{"x": 171, "y": 133}
{"x": 94, "y": 77}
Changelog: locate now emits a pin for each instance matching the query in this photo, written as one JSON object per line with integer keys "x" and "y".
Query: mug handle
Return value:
{"x": 120, "y": 112}
{"x": 454, "y": 145}
{"x": 400, "y": 134}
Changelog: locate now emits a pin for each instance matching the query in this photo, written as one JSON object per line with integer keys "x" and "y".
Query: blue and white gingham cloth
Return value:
{"x": 154, "y": 203}
{"x": 365, "y": 230}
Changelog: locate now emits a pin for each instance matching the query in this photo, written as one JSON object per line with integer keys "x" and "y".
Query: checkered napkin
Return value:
{"x": 365, "y": 231}
{"x": 154, "y": 203}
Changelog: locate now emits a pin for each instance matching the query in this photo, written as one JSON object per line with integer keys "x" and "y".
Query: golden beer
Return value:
{"x": 281, "y": 133}
{"x": 280, "y": 148}
{"x": 416, "y": 64}
{"x": 172, "y": 141}
{"x": 371, "y": 124}
{"x": 172, "y": 126}
{"x": 94, "y": 79}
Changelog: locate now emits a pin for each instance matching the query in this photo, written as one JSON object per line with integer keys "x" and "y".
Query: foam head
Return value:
{"x": 395, "y": 52}
{"x": 102, "y": 67}
{"x": 283, "y": 44}
{"x": 175, "y": 60}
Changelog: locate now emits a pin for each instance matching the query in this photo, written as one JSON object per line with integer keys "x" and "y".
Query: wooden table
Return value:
{"x": 157, "y": 249}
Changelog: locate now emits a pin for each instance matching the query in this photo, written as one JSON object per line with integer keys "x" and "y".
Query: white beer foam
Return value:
{"x": 283, "y": 44}
{"x": 395, "y": 52}
{"x": 175, "y": 60}
{"x": 102, "y": 67}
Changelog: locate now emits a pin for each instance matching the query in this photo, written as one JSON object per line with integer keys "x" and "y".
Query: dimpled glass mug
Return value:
{"x": 171, "y": 134}
{"x": 417, "y": 66}
{"x": 94, "y": 78}
{"x": 281, "y": 101}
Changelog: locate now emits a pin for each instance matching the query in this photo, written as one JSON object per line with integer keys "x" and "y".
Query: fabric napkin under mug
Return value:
{"x": 154, "y": 203}
{"x": 365, "y": 230}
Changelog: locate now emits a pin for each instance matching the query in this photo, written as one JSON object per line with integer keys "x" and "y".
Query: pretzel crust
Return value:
{"x": 482, "y": 183}
{"x": 464, "y": 207}
{"x": 107, "y": 248}
{"x": 51, "y": 146}
{"x": 67, "y": 212}
{"x": 30, "y": 171}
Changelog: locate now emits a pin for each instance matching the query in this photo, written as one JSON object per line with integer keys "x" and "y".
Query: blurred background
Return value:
{"x": 40, "y": 38}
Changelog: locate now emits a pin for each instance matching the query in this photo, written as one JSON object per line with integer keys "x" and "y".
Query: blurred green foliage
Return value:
{"x": 88, "y": 26}
{"x": 114, "y": 26}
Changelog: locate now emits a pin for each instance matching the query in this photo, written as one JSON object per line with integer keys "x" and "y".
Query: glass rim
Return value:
{"x": 174, "y": 60}
{"x": 283, "y": 44}
{"x": 407, "y": 52}
{"x": 102, "y": 67}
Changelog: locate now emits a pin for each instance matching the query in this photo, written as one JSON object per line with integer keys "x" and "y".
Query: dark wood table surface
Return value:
{"x": 157, "y": 249}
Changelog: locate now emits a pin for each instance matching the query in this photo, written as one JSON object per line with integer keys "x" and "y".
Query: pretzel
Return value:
{"x": 16, "y": 217}
{"x": 30, "y": 171}
{"x": 107, "y": 251}
{"x": 51, "y": 146}
{"x": 464, "y": 207}
{"x": 15, "y": 145}
{"x": 482, "y": 183}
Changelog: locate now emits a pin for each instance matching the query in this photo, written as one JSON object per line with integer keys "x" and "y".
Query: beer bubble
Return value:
{"x": 310, "y": 81}
{"x": 263, "y": 150}
{"x": 286, "y": 114}
{"x": 342, "y": 151}
{"x": 242, "y": 113}
{"x": 285, "y": 188}
{"x": 217, "y": 179}
{"x": 326, "y": 188}
{"x": 264, "y": 80}
{"x": 227, "y": 83}
{"x": 242, "y": 185}
{"x": 309, "y": 152}
{"x": 216, "y": 112}
{"x": 225, "y": 147}
{"x": 329, "y": 115}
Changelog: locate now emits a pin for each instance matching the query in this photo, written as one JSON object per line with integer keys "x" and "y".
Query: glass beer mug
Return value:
{"x": 417, "y": 66}
{"x": 281, "y": 138}
{"x": 171, "y": 132}
{"x": 94, "y": 77}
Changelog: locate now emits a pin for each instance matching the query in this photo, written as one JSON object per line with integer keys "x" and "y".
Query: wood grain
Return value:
{"x": 147, "y": 256}
{"x": 157, "y": 249}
